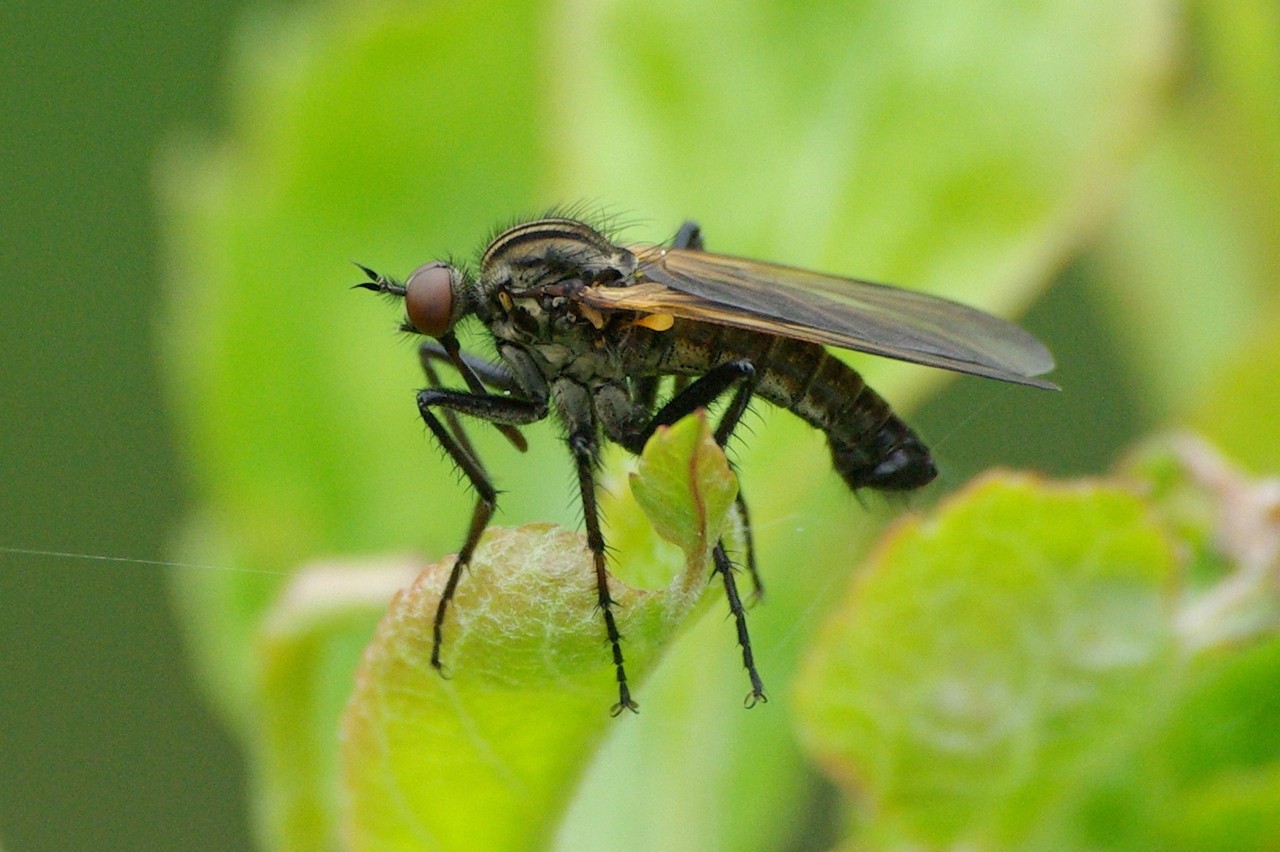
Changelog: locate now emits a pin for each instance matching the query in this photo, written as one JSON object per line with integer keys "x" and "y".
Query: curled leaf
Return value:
{"x": 487, "y": 757}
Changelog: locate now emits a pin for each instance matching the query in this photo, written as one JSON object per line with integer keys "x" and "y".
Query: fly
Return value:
{"x": 587, "y": 329}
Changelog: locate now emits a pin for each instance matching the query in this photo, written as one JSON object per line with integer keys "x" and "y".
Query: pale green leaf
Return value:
{"x": 488, "y": 756}
{"x": 991, "y": 656}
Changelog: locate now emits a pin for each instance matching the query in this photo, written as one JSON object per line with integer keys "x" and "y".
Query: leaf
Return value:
{"x": 990, "y": 657}
{"x": 310, "y": 644}
{"x": 1239, "y": 407}
{"x": 1228, "y": 524}
{"x": 1191, "y": 254}
{"x": 683, "y": 482}
{"x": 488, "y": 757}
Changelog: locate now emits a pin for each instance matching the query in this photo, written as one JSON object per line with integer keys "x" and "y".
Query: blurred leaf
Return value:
{"x": 991, "y": 658}
{"x": 1188, "y": 508}
{"x": 311, "y": 642}
{"x": 957, "y": 150}
{"x": 1191, "y": 253}
{"x": 1229, "y": 526}
{"x": 1239, "y": 408}
{"x": 1203, "y": 775}
{"x": 487, "y": 758}
{"x": 1211, "y": 763}
{"x": 1238, "y": 812}
{"x": 1227, "y": 719}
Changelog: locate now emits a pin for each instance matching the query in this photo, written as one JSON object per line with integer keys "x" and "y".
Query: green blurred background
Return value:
{"x": 104, "y": 743}
{"x": 1162, "y": 263}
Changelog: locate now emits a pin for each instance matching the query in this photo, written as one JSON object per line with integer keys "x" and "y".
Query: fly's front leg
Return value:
{"x": 494, "y": 375}
{"x": 479, "y": 374}
{"x": 427, "y": 355}
{"x": 574, "y": 402}
{"x": 700, "y": 394}
{"x": 502, "y": 410}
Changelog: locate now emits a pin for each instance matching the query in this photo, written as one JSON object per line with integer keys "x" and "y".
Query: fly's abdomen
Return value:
{"x": 870, "y": 446}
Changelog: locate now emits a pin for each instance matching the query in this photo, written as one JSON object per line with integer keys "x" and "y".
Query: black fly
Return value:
{"x": 587, "y": 329}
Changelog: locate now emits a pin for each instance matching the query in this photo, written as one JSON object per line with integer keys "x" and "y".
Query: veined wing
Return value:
{"x": 843, "y": 312}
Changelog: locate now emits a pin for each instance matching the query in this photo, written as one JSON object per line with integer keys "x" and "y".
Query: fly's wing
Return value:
{"x": 843, "y": 312}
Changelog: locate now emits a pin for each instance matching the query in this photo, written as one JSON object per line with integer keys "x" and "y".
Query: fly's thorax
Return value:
{"x": 528, "y": 292}
{"x": 538, "y": 257}
{"x": 561, "y": 339}
{"x": 594, "y": 367}
{"x": 550, "y": 317}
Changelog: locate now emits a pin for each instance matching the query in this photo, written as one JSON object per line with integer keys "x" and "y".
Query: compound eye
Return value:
{"x": 428, "y": 298}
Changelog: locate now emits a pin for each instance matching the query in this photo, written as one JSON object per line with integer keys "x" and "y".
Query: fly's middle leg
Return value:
{"x": 574, "y": 402}
{"x": 493, "y": 375}
{"x": 584, "y": 447}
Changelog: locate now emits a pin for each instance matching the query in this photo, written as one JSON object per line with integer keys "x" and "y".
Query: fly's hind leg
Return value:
{"x": 690, "y": 237}
{"x": 700, "y": 394}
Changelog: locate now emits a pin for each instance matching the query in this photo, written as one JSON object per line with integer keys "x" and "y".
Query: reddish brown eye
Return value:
{"x": 428, "y": 299}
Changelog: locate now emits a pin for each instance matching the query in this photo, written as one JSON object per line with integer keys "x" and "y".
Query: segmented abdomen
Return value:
{"x": 870, "y": 446}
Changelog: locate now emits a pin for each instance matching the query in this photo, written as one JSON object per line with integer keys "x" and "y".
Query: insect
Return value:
{"x": 586, "y": 329}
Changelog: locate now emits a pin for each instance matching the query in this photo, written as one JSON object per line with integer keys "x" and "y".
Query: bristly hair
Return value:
{"x": 595, "y": 214}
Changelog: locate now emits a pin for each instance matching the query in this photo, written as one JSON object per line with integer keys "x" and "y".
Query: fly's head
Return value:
{"x": 527, "y": 292}
{"x": 436, "y": 296}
